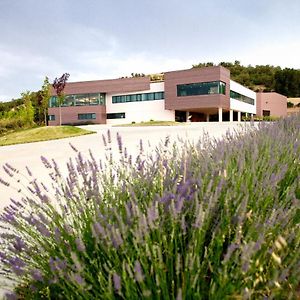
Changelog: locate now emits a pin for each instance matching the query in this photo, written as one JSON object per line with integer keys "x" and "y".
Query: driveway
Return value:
{"x": 29, "y": 155}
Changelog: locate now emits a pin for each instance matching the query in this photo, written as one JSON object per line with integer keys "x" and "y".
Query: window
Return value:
{"x": 201, "y": 88}
{"x": 90, "y": 116}
{"x": 240, "y": 97}
{"x": 266, "y": 113}
{"x": 116, "y": 116}
{"x": 79, "y": 100}
{"x": 51, "y": 118}
{"x": 138, "y": 97}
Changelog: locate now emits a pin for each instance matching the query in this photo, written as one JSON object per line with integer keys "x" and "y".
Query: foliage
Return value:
{"x": 290, "y": 104}
{"x": 41, "y": 134}
{"x": 45, "y": 97}
{"x": 59, "y": 86}
{"x": 216, "y": 220}
{"x": 263, "y": 78}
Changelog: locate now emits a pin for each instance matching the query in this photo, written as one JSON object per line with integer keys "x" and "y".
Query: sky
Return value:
{"x": 104, "y": 39}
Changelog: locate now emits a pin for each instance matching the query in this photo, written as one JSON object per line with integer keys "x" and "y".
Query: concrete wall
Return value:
{"x": 239, "y": 105}
{"x": 140, "y": 111}
{"x": 274, "y": 102}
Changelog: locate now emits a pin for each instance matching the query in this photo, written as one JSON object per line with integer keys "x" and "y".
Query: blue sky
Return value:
{"x": 100, "y": 39}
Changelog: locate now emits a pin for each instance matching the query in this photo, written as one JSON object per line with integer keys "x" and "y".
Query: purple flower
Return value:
{"x": 46, "y": 162}
{"x": 80, "y": 245}
{"x": 4, "y": 182}
{"x": 120, "y": 144}
{"x": 78, "y": 279}
{"x": 117, "y": 282}
{"x": 73, "y": 147}
{"x": 141, "y": 146}
{"x": 7, "y": 171}
{"x": 138, "y": 273}
{"x": 37, "y": 275}
{"x": 11, "y": 296}
{"x": 28, "y": 171}
{"x": 19, "y": 244}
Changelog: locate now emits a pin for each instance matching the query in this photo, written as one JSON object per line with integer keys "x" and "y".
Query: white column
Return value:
{"x": 220, "y": 114}
{"x": 251, "y": 117}
{"x": 239, "y": 116}
{"x": 187, "y": 116}
{"x": 231, "y": 115}
{"x": 207, "y": 118}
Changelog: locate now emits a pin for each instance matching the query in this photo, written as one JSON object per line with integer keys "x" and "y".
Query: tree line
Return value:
{"x": 263, "y": 78}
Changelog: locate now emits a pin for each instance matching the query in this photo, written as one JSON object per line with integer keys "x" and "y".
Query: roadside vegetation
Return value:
{"x": 219, "y": 219}
{"x": 41, "y": 134}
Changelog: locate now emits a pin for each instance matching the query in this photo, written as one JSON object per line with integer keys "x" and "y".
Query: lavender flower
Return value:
{"x": 37, "y": 275}
{"x": 46, "y": 162}
{"x": 117, "y": 282}
{"x": 80, "y": 245}
{"x": 138, "y": 273}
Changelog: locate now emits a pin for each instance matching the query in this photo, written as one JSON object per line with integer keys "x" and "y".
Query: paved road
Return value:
{"x": 29, "y": 155}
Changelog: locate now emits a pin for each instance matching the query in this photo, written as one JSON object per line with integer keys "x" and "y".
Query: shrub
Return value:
{"x": 214, "y": 220}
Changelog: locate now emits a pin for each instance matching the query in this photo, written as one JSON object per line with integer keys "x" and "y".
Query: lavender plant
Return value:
{"x": 219, "y": 219}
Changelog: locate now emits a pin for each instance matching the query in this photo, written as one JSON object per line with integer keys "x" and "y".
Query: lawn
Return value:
{"x": 41, "y": 134}
{"x": 152, "y": 123}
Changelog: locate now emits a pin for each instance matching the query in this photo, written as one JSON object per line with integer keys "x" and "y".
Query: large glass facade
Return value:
{"x": 240, "y": 97}
{"x": 79, "y": 100}
{"x": 201, "y": 88}
{"x": 138, "y": 97}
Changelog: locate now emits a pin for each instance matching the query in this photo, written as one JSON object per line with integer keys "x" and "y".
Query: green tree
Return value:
{"x": 45, "y": 95}
{"x": 28, "y": 113}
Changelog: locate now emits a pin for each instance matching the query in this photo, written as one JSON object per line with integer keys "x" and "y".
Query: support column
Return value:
{"x": 220, "y": 114}
{"x": 239, "y": 116}
{"x": 251, "y": 117}
{"x": 187, "y": 116}
{"x": 207, "y": 118}
{"x": 231, "y": 115}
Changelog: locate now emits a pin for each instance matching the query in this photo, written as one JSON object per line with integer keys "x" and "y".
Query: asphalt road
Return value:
{"x": 20, "y": 156}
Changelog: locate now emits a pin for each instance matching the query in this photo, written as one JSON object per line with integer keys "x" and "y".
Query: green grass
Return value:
{"x": 41, "y": 134}
{"x": 152, "y": 123}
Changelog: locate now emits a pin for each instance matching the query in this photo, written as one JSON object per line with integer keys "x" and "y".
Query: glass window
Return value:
{"x": 69, "y": 101}
{"x": 89, "y": 116}
{"x": 201, "y": 88}
{"x": 240, "y": 97}
{"x": 138, "y": 97}
{"x": 116, "y": 116}
{"x": 51, "y": 117}
{"x": 53, "y": 102}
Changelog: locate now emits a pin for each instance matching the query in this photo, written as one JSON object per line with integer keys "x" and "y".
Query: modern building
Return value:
{"x": 271, "y": 104}
{"x": 198, "y": 94}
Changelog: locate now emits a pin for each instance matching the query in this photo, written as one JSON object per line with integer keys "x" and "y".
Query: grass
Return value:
{"x": 151, "y": 123}
{"x": 211, "y": 220}
{"x": 41, "y": 134}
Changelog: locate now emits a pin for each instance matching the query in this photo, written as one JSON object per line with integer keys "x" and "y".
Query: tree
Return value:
{"x": 46, "y": 95}
{"x": 59, "y": 86}
{"x": 29, "y": 110}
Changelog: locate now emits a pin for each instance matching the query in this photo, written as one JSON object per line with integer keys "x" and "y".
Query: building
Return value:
{"x": 198, "y": 94}
{"x": 271, "y": 104}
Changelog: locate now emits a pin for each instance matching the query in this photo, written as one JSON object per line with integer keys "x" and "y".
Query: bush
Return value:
{"x": 214, "y": 220}
{"x": 290, "y": 104}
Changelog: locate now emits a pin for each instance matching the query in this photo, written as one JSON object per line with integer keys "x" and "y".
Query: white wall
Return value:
{"x": 140, "y": 111}
{"x": 239, "y": 105}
